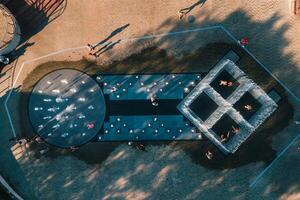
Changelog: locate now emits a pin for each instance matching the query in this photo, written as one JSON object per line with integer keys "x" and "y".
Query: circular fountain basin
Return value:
{"x": 66, "y": 108}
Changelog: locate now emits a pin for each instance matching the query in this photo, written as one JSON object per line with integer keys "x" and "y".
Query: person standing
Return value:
{"x": 244, "y": 41}
{"x": 4, "y": 60}
{"x": 153, "y": 100}
{"x": 91, "y": 47}
{"x": 209, "y": 155}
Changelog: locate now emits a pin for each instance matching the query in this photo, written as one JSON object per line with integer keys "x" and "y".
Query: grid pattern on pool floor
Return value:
{"x": 168, "y": 127}
{"x": 162, "y": 86}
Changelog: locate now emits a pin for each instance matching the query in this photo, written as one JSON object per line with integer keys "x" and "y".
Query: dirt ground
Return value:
{"x": 165, "y": 171}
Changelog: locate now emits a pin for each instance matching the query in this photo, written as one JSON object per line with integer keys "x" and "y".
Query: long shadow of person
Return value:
{"x": 182, "y": 12}
{"x": 102, "y": 48}
{"x": 115, "y": 32}
{"x": 106, "y": 48}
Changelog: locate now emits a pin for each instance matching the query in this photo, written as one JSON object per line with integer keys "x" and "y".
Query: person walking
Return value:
{"x": 140, "y": 146}
{"x": 184, "y": 11}
{"x": 73, "y": 148}
{"x": 153, "y": 100}
{"x": 137, "y": 145}
{"x": 209, "y": 155}
{"x": 4, "y": 60}
{"x": 91, "y": 47}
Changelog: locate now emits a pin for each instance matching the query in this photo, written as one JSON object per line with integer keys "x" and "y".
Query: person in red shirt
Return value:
{"x": 244, "y": 41}
{"x": 90, "y": 126}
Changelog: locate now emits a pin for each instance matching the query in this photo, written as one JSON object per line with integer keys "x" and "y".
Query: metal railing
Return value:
{"x": 9, "y": 17}
{"x": 10, "y": 191}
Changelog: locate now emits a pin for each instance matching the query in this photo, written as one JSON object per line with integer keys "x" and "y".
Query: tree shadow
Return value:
{"x": 19, "y": 51}
{"x": 164, "y": 172}
{"x": 33, "y": 16}
{"x": 88, "y": 153}
{"x": 259, "y": 146}
{"x": 10, "y": 168}
{"x": 209, "y": 55}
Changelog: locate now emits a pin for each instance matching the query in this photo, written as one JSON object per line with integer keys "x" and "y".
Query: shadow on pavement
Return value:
{"x": 113, "y": 171}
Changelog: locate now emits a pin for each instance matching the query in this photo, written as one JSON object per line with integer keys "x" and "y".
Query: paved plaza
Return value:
{"x": 217, "y": 119}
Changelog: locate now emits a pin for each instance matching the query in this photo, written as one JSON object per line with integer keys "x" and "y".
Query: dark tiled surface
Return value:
{"x": 247, "y": 98}
{"x": 224, "y": 125}
{"x": 203, "y": 106}
{"x": 224, "y": 91}
{"x": 142, "y": 107}
{"x": 147, "y": 128}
